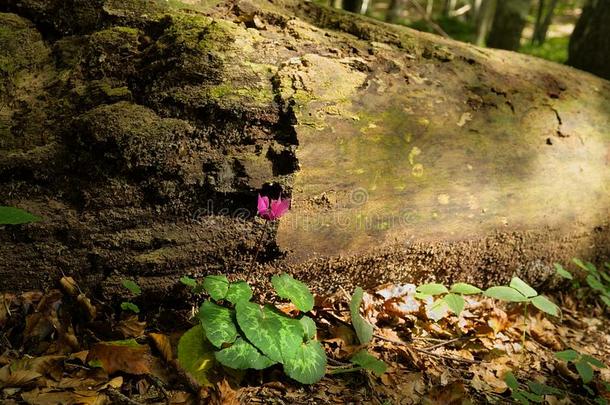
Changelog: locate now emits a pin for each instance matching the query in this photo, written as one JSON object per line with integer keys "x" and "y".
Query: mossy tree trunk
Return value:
{"x": 142, "y": 135}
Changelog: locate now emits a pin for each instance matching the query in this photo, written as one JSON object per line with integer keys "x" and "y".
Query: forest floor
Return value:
{"x": 50, "y": 338}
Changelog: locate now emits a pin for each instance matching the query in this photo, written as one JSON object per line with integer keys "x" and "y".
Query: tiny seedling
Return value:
{"x": 598, "y": 280}
{"x": 582, "y": 362}
{"x": 534, "y": 392}
{"x": 135, "y": 290}
{"x": 452, "y": 298}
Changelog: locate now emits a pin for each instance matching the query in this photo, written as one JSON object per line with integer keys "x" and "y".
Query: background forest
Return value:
{"x": 543, "y": 28}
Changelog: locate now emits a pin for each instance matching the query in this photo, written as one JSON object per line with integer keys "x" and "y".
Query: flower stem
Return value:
{"x": 257, "y": 251}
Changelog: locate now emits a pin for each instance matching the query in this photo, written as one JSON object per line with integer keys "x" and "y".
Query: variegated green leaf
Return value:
{"x": 242, "y": 355}
{"x": 294, "y": 290}
{"x": 218, "y": 323}
{"x": 273, "y": 333}
{"x": 216, "y": 286}
{"x": 308, "y": 366}
{"x": 239, "y": 291}
{"x": 309, "y": 327}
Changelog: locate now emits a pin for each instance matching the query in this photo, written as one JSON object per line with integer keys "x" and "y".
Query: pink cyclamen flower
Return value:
{"x": 272, "y": 211}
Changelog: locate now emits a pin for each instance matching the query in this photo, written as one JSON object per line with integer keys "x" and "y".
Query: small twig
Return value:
{"x": 447, "y": 342}
{"x": 159, "y": 384}
{"x": 118, "y": 398}
{"x": 418, "y": 349}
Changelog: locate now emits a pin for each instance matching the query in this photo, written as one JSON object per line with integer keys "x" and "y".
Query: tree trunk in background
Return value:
{"x": 142, "y": 133}
{"x": 509, "y": 21}
{"x": 590, "y": 42}
{"x": 356, "y": 6}
{"x": 395, "y": 9}
{"x": 543, "y": 21}
{"x": 484, "y": 20}
{"x": 449, "y": 7}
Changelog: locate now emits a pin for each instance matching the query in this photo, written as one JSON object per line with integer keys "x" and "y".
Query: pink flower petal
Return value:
{"x": 263, "y": 205}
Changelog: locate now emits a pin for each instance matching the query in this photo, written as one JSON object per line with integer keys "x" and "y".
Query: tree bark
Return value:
{"x": 509, "y": 21}
{"x": 484, "y": 20}
{"x": 143, "y": 133}
{"x": 543, "y": 21}
{"x": 395, "y": 8}
{"x": 590, "y": 42}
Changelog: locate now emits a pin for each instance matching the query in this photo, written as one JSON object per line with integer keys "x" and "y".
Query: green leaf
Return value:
{"x": 196, "y": 354}
{"x": 511, "y": 381}
{"x": 242, "y": 355}
{"x": 238, "y": 291}
{"x": 216, "y": 286}
{"x": 464, "y": 289}
{"x": 584, "y": 370}
{"x": 543, "y": 389}
{"x": 523, "y": 287}
{"x": 218, "y": 323}
{"x": 422, "y": 297}
{"x": 595, "y": 284}
{"x": 276, "y": 335}
{"x": 132, "y": 286}
{"x": 606, "y": 300}
{"x": 364, "y": 330}
{"x": 130, "y": 306}
{"x": 432, "y": 289}
{"x": 309, "y": 327}
{"x": 294, "y": 290}
{"x": 518, "y": 396}
{"x": 308, "y": 366}
{"x": 563, "y": 272}
{"x": 588, "y": 267}
{"x": 455, "y": 303}
{"x": 532, "y": 397}
{"x": 367, "y": 361}
{"x": 592, "y": 360}
{"x": 437, "y": 310}
{"x": 567, "y": 355}
{"x": 505, "y": 293}
{"x": 189, "y": 282}
{"x": 16, "y": 216}
{"x": 545, "y": 305}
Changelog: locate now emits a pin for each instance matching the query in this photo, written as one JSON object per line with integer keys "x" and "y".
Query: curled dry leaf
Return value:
{"x": 163, "y": 344}
{"x": 126, "y": 356}
{"x": 131, "y": 327}
{"x": 69, "y": 286}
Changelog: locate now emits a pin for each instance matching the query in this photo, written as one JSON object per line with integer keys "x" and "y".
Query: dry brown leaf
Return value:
{"x": 182, "y": 398}
{"x": 498, "y": 320}
{"x": 163, "y": 344}
{"x": 131, "y": 327}
{"x": 18, "y": 378}
{"x": 131, "y": 358}
{"x": 452, "y": 394}
{"x": 224, "y": 394}
{"x": 69, "y": 286}
{"x": 87, "y": 306}
{"x": 50, "y": 397}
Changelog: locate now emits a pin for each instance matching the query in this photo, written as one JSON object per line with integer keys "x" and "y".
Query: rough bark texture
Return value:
{"x": 590, "y": 42}
{"x": 508, "y": 24}
{"x": 143, "y": 133}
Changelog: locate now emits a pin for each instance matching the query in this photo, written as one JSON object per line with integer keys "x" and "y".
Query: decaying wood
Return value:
{"x": 143, "y": 133}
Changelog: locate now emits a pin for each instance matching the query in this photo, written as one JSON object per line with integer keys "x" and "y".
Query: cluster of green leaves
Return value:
{"x": 135, "y": 290}
{"x": 517, "y": 291}
{"x": 582, "y": 362}
{"x": 241, "y": 334}
{"x": 534, "y": 392}
{"x": 598, "y": 280}
{"x": 245, "y": 335}
{"x": 16, "y": 216}
{"x": 451, "y": 298}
